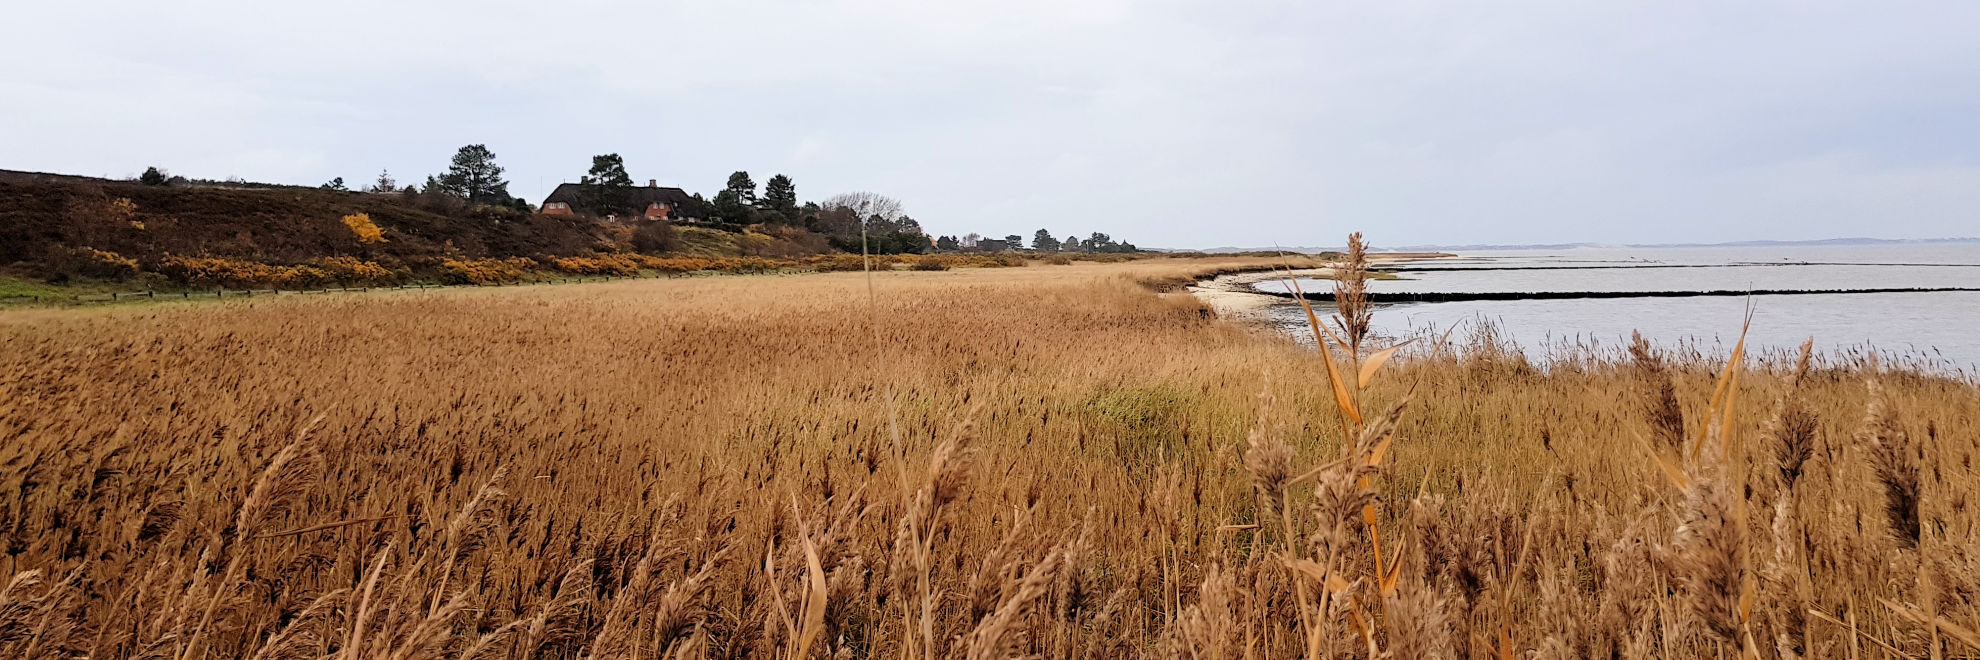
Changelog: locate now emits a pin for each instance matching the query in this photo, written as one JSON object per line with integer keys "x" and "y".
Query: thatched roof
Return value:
{"x": 573, "y": 194}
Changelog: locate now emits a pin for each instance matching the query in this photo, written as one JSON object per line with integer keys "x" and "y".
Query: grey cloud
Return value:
{"x": 1167, "y": 123}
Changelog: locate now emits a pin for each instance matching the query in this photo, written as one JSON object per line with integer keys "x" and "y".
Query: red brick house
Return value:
{"x": 657, "y": 203}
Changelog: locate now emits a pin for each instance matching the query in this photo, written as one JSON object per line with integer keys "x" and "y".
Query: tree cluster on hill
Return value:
{"x": 845, "y": 220}
{"x": 876, "y": 220}
{"x": 1041, "y": 241}
{"x": 474, "y": 183}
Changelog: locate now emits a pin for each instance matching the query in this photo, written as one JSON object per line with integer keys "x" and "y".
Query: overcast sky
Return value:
{"x": 1169, "y": 124}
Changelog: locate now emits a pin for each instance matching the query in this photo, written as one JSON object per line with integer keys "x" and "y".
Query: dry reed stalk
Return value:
{"x": 32, "y": 625}
{"x": 1783, "y": 571}
{"x": 804, "y": 622}
{"x": 999, "y": 635}
{"x": 1351, "y": 296}
{"x": 561, "y": 616}
{"x": 302, "y": 635}
{"x": 1348, "y": 385}
{"x": 1269, "y": 460}
{"x": 1210, "y": 629}
{"x": 1891, "y": 458}
{"x": 997, "y": 568}
{"x": 468, "y": 532}
{"x": 1660, "y": 403}
{"x": 1562, "y": 609}
{"x": 1076, "y": 592}
{"x": 913, "y": 554}
{"x": 1712, "y": 560}
{"x": 634, "y": 596}
{"x": 1710, "y": 542}
{"x": 1419, "y": 622}
{"x": 1625, "y": 616}
{"x": 289, "y": 473}
{"x": 366, "y": 607}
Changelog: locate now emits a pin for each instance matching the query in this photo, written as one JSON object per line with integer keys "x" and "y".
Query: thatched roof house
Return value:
{"x": 655, "y": 202}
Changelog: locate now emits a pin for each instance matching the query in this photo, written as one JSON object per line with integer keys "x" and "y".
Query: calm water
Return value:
{"x": 1938, "y": 329}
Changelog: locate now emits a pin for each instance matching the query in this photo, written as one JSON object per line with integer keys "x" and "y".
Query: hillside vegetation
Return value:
{"x": 987, "y": 463}
{"x": 112, "y": 231}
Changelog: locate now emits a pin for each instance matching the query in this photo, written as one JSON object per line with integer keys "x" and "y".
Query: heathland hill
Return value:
{"x": 54, "y": 227}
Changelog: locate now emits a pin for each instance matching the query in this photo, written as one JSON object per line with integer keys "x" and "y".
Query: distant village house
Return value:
{"x": 658, "y": 203}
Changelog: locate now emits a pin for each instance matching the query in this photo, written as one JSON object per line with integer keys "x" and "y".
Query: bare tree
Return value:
{"x": 835, "y": 222}
{"x": 866, "y": 205}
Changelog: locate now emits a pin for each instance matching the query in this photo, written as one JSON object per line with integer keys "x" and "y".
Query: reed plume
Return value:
{"x": 1659, "y": 403}
{"x": 1890, "y": 456}
{"x": 1353, "y": 313}
{"x": 1708, "y": 560}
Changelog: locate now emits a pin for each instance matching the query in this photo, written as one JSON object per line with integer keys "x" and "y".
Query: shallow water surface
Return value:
{"x": 1938, "y": 330}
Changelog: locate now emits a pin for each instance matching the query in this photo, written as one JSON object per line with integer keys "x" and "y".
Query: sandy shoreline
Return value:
{"x": 1233, "y": 298}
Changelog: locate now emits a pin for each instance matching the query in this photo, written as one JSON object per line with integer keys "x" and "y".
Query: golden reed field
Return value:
{"x": 1061, "y": 461}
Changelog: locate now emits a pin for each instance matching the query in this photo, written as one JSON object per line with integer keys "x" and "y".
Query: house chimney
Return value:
{"x": 652, "y": 183}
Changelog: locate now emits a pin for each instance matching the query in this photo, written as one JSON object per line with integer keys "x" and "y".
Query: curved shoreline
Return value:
{"x": 1233, "y": 297}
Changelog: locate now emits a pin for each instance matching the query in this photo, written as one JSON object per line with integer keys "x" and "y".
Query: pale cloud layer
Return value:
{"x": 1180, "y": 124}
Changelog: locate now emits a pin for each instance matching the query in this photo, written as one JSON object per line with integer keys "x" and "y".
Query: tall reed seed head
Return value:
{"x": 1351, "y": 293}
{"x": 1891, "y": 459}
{"x": 1659, "y": 403}
{"x": 1709, "y": 543}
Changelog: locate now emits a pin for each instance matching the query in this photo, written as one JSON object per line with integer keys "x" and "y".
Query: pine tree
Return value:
{"x": 729, "y": 207}
{"x": 473, "y": 176}
{"x": 780, "y": 195}
{"x": 607, "y": 185}
{"x": 1043, "y": 242}
{"x": 743, "y": 187}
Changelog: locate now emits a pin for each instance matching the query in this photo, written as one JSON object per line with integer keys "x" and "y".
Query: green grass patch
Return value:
{"x": 1145, "y": 423}
{"x": 13, "y": 289}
